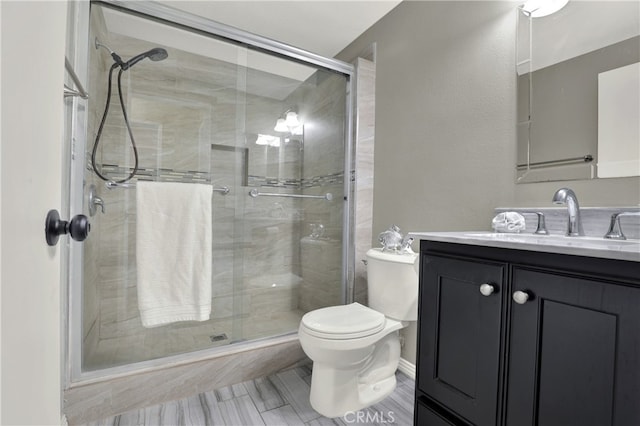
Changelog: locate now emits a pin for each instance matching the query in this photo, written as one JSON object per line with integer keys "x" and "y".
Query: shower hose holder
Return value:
{"x": 78, "y": 227}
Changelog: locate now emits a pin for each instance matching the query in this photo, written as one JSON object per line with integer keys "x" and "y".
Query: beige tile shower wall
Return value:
{"x": 323, "y": 112}
{"x": 178, "y": 108}
{"x": 321, "y": 258}
{"x": 118, "y": 296}
{"x": 365, "y": 136}
{"x": 271, "y": 264}
{"x": 122, "y": 338}
{"x": 321, "y": 272}
{"x": 182, "y": 105}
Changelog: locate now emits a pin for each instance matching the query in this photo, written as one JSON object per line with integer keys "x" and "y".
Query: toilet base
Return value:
{"x": 377, "y": 392}
{"x": 348, "y": 395}
{"x": 336, "y": 391}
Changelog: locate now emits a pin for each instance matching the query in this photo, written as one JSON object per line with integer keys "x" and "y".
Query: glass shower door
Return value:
{"x": 295, "y": 140}
{"x": 267, "y": 133}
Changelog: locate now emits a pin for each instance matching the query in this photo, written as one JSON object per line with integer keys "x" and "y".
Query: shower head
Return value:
{"x": 155, "y": 54}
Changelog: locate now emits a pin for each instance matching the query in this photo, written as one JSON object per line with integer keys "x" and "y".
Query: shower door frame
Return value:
{"x": 189, "y": 22}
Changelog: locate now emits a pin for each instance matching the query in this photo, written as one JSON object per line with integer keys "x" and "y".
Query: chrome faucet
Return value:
{"x": 568, "y": 197}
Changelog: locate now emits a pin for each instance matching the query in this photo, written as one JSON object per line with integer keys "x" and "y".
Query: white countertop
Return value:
{"x": 579, "y": 246}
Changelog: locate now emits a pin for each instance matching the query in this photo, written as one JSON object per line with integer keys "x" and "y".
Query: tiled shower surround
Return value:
{"x": 197, "y": 119}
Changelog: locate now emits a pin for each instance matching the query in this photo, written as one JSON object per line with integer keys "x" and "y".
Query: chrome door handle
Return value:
{"x": 487, "y": 289}
{"x": 520, "y": 297}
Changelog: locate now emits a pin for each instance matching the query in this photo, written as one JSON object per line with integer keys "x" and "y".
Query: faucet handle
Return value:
{"x": 615, "y": 230}
{"x": 541, "y": 229}
{"x": 94, "y": 201}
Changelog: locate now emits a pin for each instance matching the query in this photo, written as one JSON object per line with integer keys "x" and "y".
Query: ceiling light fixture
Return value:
{"x": 291, "y": 119}
{"x": 289, "y": 122}
{"x": 540, "y": 8}
{"x": 268, "y": 140}
{"x": 281, "y": 126}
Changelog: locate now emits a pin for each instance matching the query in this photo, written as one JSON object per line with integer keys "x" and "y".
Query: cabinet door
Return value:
{"x": 574, "y": 352}
{"x": 459, "y": 337}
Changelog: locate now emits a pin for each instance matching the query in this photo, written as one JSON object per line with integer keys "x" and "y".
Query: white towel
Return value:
{"x": 508, "y": 222}
{"x": 173, "y": 252}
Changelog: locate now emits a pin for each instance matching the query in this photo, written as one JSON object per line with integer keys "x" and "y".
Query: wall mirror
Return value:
{"x": 578, "y": 92}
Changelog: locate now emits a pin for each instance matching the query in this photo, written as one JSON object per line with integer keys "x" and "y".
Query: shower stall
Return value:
{"x": 266, "y": 125}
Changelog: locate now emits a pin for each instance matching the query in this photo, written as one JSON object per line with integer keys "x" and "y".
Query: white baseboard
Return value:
{"x": 407, "y": 368}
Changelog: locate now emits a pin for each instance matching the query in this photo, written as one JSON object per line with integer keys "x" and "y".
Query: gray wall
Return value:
{"x": 564, "y": 112}
{"x": 445, "y": 138}
{"x": 445, "y": 119}
{"x": 445, "y": 114}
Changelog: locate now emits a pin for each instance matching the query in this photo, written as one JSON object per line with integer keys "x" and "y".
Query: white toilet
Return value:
{"x": 356, "y": 349}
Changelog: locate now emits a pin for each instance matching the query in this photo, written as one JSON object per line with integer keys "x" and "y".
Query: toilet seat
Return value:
{"x": 343, "y": 322}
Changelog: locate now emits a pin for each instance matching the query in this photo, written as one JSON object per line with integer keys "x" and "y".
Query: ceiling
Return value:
{"x": 323, "y": 27}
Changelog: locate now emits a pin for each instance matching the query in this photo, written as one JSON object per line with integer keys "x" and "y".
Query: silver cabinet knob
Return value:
{"x": 487, "y": 289}
{"x": 520, "y": 297}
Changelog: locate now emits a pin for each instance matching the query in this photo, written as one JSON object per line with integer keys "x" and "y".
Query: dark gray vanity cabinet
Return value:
{"x": 564, "y": 351}
{"x": 578, "y": 342}
{"x": 460, "y": 341}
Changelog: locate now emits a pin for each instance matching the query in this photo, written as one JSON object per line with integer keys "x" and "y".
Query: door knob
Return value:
{"x": 78, "y": 227}
{"x": 487, "y": 289}
{"x": 520, "y": 297}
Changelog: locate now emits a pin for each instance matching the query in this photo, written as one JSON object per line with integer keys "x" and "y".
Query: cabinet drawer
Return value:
{"x": 459, "y": 335}
{"x": 424, "y": 416}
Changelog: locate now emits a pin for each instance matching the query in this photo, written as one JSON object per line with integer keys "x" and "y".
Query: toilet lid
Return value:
{"x": 343, "y": 322}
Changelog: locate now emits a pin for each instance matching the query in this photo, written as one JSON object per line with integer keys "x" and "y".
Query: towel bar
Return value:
{"x": 255, "y": 193}
{"x": 224, "y": 190}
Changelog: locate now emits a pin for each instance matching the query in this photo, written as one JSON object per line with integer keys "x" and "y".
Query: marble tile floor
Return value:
{"x": 279, "y": 399}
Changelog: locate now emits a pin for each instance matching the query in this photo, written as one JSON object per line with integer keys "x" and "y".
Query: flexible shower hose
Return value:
{"x": 126, "y": 121}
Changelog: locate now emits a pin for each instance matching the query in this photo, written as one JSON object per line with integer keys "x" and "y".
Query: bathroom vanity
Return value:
{"x": 527, "y": 330}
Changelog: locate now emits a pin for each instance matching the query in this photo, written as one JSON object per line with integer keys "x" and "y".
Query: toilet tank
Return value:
{"x": 393, "y": 284}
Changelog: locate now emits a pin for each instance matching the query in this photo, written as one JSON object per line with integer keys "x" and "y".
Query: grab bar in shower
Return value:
{"x": 255, "y": 193}
{"x": 224, "y": 190}
{"x": 68, "y": 91}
